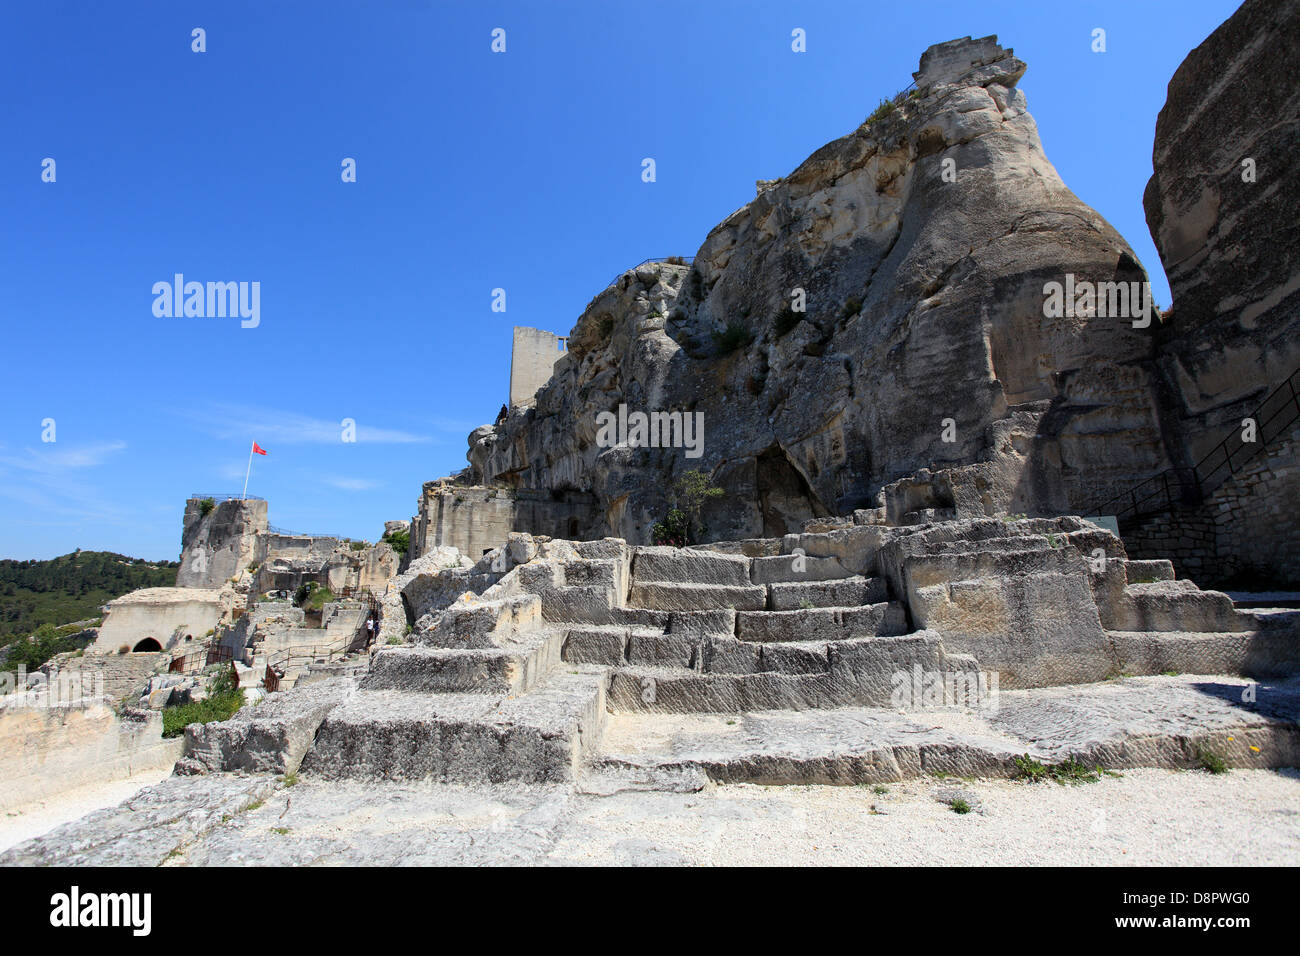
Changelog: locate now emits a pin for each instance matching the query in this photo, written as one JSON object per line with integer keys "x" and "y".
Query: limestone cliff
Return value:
{"x": 1224, "y": 210}
{"x": 924, "y": 302}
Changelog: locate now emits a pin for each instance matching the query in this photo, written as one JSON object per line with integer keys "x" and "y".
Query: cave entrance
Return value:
{"x": 148, "y": 644}
{"x": 785, "y": 499}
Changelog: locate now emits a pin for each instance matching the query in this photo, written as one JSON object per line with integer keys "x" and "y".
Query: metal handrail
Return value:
{"x": 304, "y": 534}
{"x": 685, "y": 259}
{"x": 1196, "y": 483}
{"x": 204, "y": 495}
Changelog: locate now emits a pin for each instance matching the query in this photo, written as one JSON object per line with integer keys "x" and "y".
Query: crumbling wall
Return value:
{"x": 532, "y": 359}
{"x": 45, "y": 750}
{"x": 220, "y": 545}
{"x": 474, "y": 520}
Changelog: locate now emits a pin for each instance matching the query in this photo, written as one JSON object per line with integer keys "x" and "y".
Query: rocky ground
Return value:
{"x": 1142, "y": 818}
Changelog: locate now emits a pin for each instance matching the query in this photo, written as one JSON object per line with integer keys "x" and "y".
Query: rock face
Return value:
{"x": 922, "y": 242}
{"x": 1229, "y": 235}
{"x": 219, "y": 540}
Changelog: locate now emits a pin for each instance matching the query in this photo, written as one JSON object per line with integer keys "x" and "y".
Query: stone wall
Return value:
{"x": 474, "y": 520}
{"x": 287, "y": 561}
{"x": 1248, "y": 529}
{"x": 1187, "y": 538}
{"x": 1256, "y": 518}
{"x": 122, "y": 674}
{"x": 45, "y": 750}
{"x": 532, "y": 359}
{"x": 166, "y": 615}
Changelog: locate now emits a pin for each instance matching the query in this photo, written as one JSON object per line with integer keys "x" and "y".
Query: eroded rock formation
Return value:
{"x": 924, "y": 302}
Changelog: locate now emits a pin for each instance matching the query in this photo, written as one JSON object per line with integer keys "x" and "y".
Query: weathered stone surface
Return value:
{"x": 271, "y": 737}
{"x": 148, "y": 828}
{"x": 697, "y": 597}
{"x": 846, "y": 592}
{"x": 1223, "y": 207}
{"x": 1161, "y": 721}
{"x": 821, "y": 624}
{"x": 1230, "y": 248}
{"x": 540, "y": 737}
{"x": 924, "y": 302}
{"x": 675, "y": 565}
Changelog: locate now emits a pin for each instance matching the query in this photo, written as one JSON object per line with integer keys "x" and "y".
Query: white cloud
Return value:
{"x": 353, "y": 484}
{"x": 269, "y": 427}
{"x": 54, "y": 458}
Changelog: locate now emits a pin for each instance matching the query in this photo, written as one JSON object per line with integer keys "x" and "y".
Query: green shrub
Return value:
{"x": 1212, "y": 762}
{"x": 606, "y": 327}
{"x": 959, "y": 806}
{"x": 311, "y": 596}
{"x": 399, "y": 541}
{"x": 206, "y": 506}
{"x": 786, "y": 320}
{"x": 683, "y": 524}
{"x": 881, "y": 111}
{"x": 734, "y": 337}
{"x": 672, "y": 530}
{"x": 1027, "y": 768}
{"x": 851, "y": 307}
{"x": 358, "y": 545}
{"x": 213, "y": 707}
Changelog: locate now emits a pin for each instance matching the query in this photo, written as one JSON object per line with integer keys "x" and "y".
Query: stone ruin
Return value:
{"x": 900, "y": 583}
{"x": 959, "y": 646}
{"x": 905, "y": 579}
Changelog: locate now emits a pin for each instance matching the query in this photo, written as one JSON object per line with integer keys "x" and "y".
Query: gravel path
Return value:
{"x": 1145, "y": 817}
{"x": 32, "y": 819}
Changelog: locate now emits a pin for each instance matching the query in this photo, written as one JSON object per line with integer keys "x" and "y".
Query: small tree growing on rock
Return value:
{"x": 684, "y": 523}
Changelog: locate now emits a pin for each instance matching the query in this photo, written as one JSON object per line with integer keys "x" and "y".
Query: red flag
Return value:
{"x": 257, "y": 450}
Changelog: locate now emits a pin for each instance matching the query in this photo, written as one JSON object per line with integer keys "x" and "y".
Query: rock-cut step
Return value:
{"x": 539, "y": 737}
{"x": 1172, "y": 722}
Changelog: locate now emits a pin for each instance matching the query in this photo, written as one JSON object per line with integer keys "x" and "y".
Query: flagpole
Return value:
{"x": 247, "y": 473}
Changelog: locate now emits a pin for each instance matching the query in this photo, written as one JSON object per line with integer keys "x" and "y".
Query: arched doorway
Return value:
{"x": 148, "y": 644}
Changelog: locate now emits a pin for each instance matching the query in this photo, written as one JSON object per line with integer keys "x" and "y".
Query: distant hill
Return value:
{"x": 70, "y": 588}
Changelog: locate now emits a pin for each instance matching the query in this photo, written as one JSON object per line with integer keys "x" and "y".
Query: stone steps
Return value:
{"x": 852, "y": 591}
{"x": 885, "y": 618}
{"x": 790, "y": 568}
{"x": 540, "y": 737}
{"x": 1167, "y": 722}
{"x": 731, "y": 676}
{"x": 678, "y": 596}
{"x": 1169, "y": 605}
{"x": 438, "y": 670}
{"x": 663, "y": 565}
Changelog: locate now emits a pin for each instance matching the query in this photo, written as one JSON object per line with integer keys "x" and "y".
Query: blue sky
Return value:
{"x": 475, "y": 171}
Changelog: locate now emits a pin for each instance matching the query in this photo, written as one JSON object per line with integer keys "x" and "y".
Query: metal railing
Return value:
{"x": 279, "y": 662}
{"x": 304, "y": 534}
{"x": 685, "y": 260}
{"x": 218, "y": 498}
{"x": 200, "y": 659}
{"x": 1187, "y": 487}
